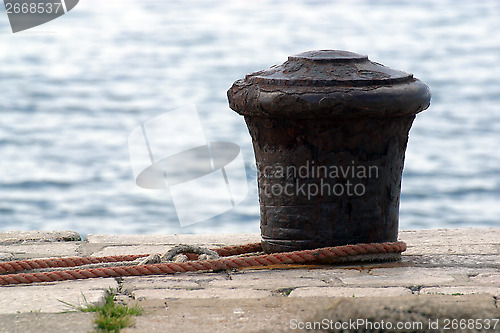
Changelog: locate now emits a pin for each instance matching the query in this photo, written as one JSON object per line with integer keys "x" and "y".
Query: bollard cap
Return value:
{"x": 329, "y": 83}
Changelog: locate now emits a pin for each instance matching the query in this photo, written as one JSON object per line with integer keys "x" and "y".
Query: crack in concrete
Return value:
{"x": 415, "y": 290}
{"x": 121, "y": 290}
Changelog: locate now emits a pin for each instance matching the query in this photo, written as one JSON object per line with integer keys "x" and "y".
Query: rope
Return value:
{"x": 26, "y": 265}
{"x": 326, "y": 255}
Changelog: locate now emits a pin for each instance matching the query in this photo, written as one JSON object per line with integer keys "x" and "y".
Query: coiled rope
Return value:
{"x": 126, "y": 265}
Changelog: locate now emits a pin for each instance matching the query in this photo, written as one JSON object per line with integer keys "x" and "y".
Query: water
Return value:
{"x": 73, "y": 89}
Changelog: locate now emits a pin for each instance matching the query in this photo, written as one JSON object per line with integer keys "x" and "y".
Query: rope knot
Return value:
{"x": 178, "y": 254}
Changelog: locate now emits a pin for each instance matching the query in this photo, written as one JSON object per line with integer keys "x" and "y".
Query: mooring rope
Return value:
{"x": 134, "y": 265}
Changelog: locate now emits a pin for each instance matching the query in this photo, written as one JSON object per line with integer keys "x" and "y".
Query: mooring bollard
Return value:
{"x": 329, "y": 131}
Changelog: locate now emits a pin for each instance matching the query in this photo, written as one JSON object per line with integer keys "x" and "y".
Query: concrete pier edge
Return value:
{"x": 445, "y": 273}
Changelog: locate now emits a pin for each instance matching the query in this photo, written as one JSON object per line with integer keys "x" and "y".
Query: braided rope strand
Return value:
{"x": 325, "y": 255}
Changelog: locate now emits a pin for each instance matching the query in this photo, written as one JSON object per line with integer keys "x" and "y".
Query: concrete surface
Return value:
{"x": 446, "y": 268}
{"x": 430, "y": 313}
{"x": 74, "y": 322}
{"x": 20, "y": 237}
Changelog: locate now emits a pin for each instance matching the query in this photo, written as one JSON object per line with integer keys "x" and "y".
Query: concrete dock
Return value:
{"x": 445, "y": 273}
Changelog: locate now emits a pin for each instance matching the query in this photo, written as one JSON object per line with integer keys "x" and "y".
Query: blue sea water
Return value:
{"x": 73, "y": 89}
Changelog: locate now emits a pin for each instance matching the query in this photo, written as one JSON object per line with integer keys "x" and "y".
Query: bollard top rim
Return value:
{"x": 326, "y": 68}
{"x": 329, "y": 83}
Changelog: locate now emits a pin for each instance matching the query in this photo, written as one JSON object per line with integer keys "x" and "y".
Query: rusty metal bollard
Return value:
{"x": 329, "y": 131}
